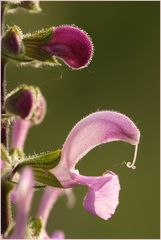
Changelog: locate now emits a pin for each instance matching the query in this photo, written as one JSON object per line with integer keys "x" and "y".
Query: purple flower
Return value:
{"x": 97, "y": 128}
{"x": 23, "y": 198}
{"x": 71, "y": 44}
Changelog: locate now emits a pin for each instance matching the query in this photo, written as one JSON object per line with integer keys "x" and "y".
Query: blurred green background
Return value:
{"x": 123, "y": 76}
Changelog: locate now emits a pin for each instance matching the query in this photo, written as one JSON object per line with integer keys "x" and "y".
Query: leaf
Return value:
{"x": 44, "y": 160}
{"x": 45, "y": 177}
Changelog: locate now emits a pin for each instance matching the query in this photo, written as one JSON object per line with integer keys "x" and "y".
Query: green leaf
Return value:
{"x": 45, "y": 177}
{"x": 44, "y": 160}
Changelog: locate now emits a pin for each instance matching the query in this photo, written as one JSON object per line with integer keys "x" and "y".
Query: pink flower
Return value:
{"x": 97, "y": 128}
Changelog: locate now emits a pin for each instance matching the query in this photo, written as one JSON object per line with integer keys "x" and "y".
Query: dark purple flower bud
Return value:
{"x": 21, "y": 101}
{"x": 71, "y": 44}
{"x": 12, "y": 45}
{"x": 26, "y": 102}
{"x": 31, "y": 6}
{"x": 68, "y": 43}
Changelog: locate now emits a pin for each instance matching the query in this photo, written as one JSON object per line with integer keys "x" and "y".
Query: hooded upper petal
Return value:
{"x": 71, "y": 44}
{"x": 95, "y": 129}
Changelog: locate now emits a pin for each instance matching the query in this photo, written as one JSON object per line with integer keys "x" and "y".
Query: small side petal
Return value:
{"x": 102, "y": 198}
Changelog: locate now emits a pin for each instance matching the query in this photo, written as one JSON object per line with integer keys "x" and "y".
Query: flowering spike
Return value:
{"x": 69, "y": 43}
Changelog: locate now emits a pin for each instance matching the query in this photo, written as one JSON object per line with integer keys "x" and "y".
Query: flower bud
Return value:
{"x": 26, "y": 102}
{"x": 12, "y": 45}
{"x": 31, "y": 6}
{"x": 14, "y": 5}
{"x": 68, "y": 43}
{"x": 21, "y": 101}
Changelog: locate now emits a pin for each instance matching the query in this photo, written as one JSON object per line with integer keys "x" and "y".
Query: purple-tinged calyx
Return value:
{"x": 96, "y": 129}
{"x": 69, "y": 43}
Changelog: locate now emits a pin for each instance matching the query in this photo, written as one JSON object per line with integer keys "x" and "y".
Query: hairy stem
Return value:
{"x": 5, "y": 203}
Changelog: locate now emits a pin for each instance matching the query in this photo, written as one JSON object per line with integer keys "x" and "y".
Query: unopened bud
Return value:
{"x": 26, "y": 102}
{"x": 31, "y": 6}
{"x": 12, "y": 45}
{"x": 68, "y": 43}
{"x": 14, "y": 5}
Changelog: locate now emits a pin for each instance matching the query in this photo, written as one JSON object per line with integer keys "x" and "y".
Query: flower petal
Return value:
{"x": 48, "y": 200}
{"x": 103, "y": 195}
{"x": 20, "y": 130}
{"x": 97, "y": 128}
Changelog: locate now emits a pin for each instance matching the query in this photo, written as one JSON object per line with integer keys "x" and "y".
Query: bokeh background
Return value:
{"x": 123, "y": 76}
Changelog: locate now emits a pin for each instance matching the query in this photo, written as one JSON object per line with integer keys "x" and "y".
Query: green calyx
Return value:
{"x": 34, "y": 43}
{"x": 43, "y": 160}
{"x": 40, "y": 165}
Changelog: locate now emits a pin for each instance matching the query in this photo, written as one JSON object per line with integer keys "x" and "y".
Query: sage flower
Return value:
{"x": 97, "y": 128}
{"x": 69, "y": 43}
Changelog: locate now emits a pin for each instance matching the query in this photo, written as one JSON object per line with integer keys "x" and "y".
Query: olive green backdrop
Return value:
{"x": 123, "y": 76}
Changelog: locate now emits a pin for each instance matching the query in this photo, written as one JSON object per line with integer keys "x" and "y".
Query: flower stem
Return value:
{"x": 5, "y": 202}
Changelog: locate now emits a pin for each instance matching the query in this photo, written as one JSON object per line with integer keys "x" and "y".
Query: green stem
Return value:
{"x": 5, "y": 201}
